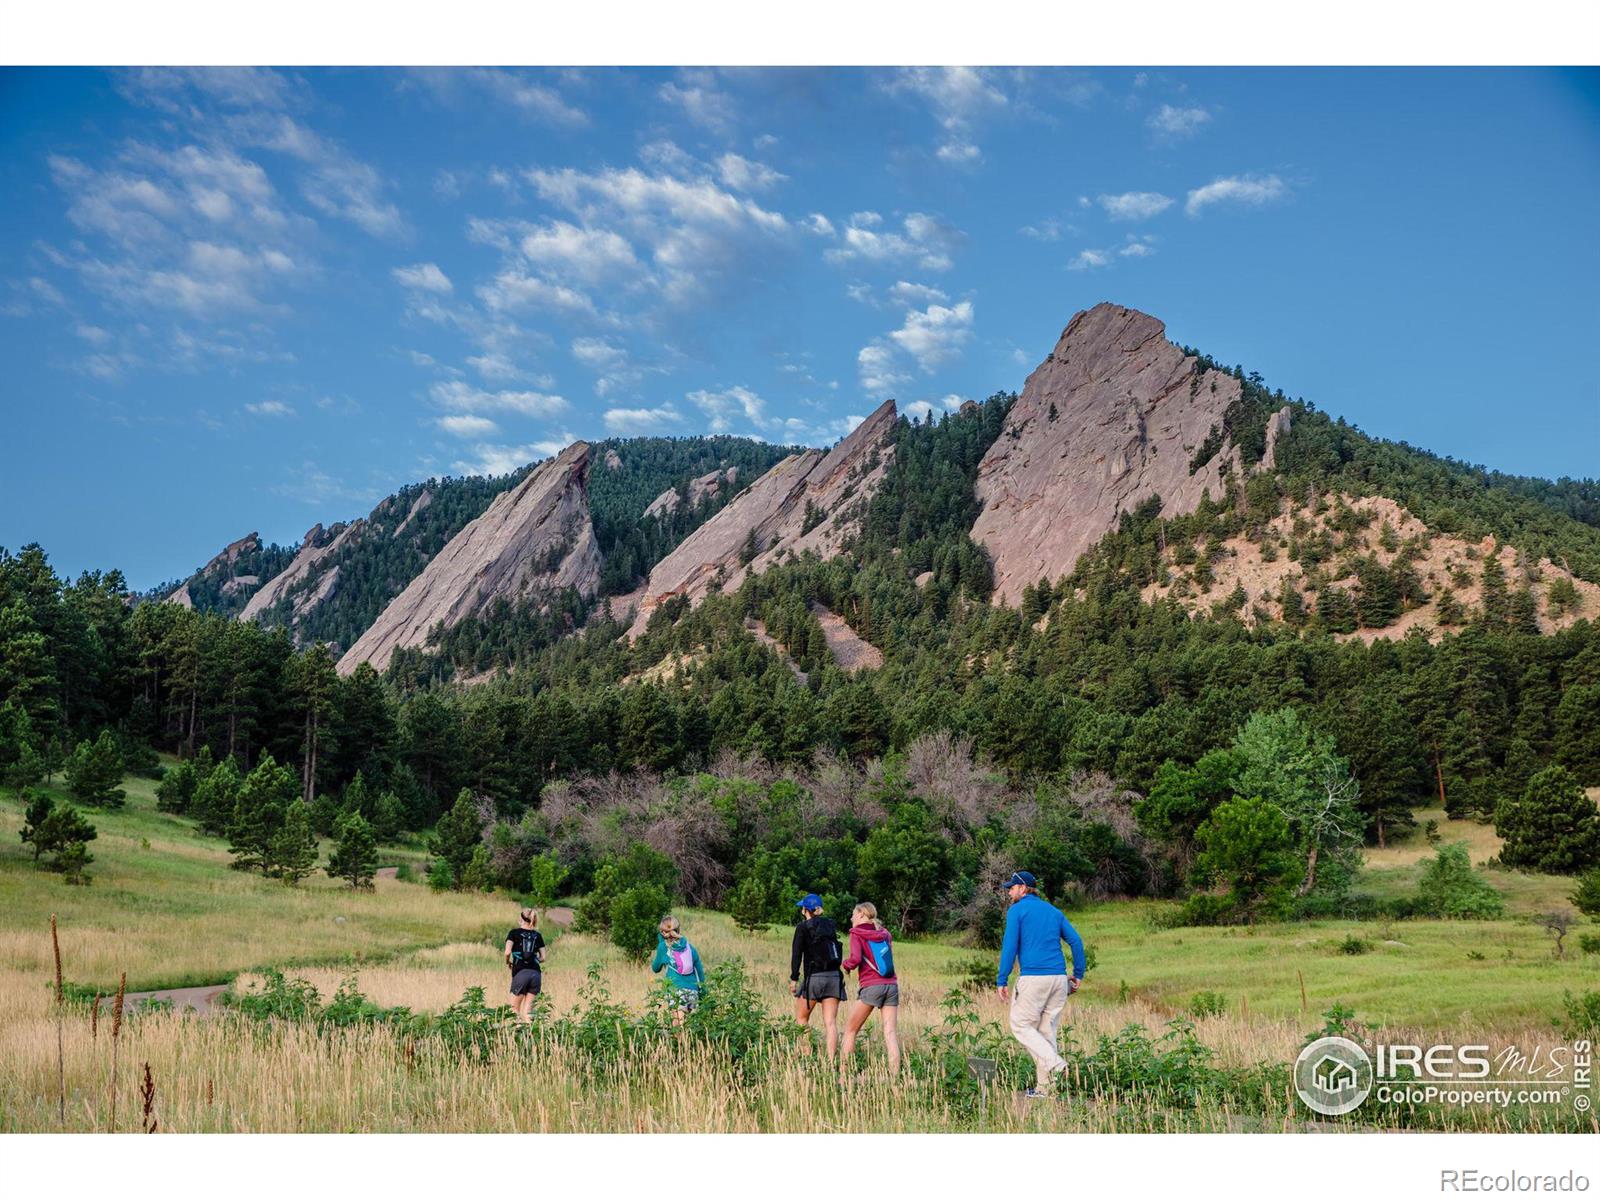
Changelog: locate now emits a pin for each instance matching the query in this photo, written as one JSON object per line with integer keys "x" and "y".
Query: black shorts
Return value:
{"x": 824, "y": 985}
{"x": 526, "y": 982}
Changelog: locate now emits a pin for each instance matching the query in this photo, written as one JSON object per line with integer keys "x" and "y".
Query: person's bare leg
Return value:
{"x": 830, "y": 1020}
{"x": 859, "y": 1015}
{"x": 891, "y": 1036}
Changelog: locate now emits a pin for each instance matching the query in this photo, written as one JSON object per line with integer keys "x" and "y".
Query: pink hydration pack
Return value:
{"x": 682, "y": 957}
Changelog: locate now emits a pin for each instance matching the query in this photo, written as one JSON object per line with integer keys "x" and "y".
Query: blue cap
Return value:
{"x": 812, "y": 901}
{"x": 1023, "y": 877}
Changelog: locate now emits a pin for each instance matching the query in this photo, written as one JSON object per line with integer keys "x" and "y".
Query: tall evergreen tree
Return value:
{"x": 355, "y": 856}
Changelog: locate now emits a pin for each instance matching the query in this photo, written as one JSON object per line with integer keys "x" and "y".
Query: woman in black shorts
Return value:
{"x": 524, "y": 955}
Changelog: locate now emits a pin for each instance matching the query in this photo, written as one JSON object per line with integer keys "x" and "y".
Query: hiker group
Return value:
{"x": 818, "y": 963}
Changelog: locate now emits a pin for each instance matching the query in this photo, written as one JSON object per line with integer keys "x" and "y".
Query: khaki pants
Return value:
{"x": 1036, "y": 1006}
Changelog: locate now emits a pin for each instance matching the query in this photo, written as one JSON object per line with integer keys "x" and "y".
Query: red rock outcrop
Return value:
{"x": 809, "y": 501}
{"x": 535, "y": 538}
{"x": 1113, "y": 416}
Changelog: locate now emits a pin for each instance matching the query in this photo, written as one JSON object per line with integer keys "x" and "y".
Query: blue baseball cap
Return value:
{"x": 1025, "y": 878}
{"x": 812, "y": 900}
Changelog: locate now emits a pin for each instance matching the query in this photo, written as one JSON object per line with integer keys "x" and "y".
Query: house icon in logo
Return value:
{"x": 1333, "y": 1075}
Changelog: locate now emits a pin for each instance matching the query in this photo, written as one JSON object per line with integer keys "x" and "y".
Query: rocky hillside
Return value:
{"x": 230, "y": 579}
{"x": 809, "y": 501}
{"x": 1114, "y": 415}
{"x": 536, "y": 538}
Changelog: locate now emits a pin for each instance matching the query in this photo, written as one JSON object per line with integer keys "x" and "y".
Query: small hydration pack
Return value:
{"x": 882, "y": 957}
{"x": 525, "y": 954}
{"x": 681, "y": 958}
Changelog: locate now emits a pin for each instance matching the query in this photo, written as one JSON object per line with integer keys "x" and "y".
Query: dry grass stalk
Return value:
{"x": 94, "y": 1018}
{"x": 147, "y": 1093}
{"x": 61, "y": 1044}
{"x": 116, "y": 1037}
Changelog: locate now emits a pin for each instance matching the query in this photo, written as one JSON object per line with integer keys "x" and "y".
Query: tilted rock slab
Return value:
{"x": 1131, "y": 410}
{"x": 835, "y": 484}
{"x": 317, "y": 545}
{"x": 705, "y": 487}
{"x": 223, "y": 562}
{"x": 503, "y": 553}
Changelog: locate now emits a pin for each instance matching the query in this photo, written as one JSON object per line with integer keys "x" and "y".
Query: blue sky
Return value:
{"x": 259, "y": 299}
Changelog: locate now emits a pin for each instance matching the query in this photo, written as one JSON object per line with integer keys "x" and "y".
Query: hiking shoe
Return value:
{"x": 1035, "y": 1094}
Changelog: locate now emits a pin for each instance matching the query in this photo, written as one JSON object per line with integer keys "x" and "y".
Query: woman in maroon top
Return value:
{"x": 872, "y": 954}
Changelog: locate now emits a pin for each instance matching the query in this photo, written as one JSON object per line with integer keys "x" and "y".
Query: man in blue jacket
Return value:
{"x": 1035, "y": 930}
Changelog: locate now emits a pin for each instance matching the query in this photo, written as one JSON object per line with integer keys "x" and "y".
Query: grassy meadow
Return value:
{"x": 165, "y": 908}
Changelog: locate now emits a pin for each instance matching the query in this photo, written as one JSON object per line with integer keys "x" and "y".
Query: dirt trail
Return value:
{"x": 203, "y": 1000}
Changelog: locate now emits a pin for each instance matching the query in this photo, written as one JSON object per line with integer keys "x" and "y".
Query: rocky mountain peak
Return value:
{"x": 1114, "y": 415}
{"x": 536, "y": 537}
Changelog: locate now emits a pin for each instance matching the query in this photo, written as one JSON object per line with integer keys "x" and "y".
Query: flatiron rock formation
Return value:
{"x": 809, "y": 501}
{"x": 535, "y": 538}
{"x": 1114, "y": 415}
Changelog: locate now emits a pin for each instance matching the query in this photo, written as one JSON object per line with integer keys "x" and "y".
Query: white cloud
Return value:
{"x": 926, "y": 241}
{"x": 918, "y": 410}
{"x": 915, "y": 293}
{"x": 335, "y": 183}
{"x": 1173, "y": 122}
{"x": 819, "y": 225}
{"x": 93, "y": 334}
{"x": 959, "y": 98}
{"x": 1088, "y": 260}
{"x": 524, "y": 94}
{"x": 514, "y": 290}
{"x": 936, "y": 334}
{"x": 744, "y": 175}
{"x": 425, "y": 277}
{"x": 591, "y": 255}
{"x": 724, "y": 407}
{"x": 701, "y": 100}
{"x": 1135, "y": 206}
{"x": 1047, "y": 230}
{"x": 1254, "y": 190}
{"x": 953, "y": 402}
{"x": 502, "y": 460}
{"x": 270, "y": 408}
{"x": 460, "y": 396}
{"x": 641, "y": 420}
{"x": 879, "y": 373}
{"x": 465, "y": 426}
{"x": 497, "y": 368}
{"x": 1138, "y": 247}
{"x": 698, "y": 235}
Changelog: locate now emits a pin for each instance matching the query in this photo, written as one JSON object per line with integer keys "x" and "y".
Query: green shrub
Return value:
{"x": 635, "y": 914}
{"x": 545, "y": 877}
{"x": 1354, "y": 944}
{"x": 1208, "y": 909}
{"x": 1581, "y": 1015}
{"x": 1451, "y": 888}
{"x": 1589, "y": 943}
{"x": 405, "y": 873}
{"x": 1207, "y": 1004}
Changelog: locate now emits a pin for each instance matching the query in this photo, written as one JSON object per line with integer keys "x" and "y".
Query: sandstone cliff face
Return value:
{"x": 222, "y": 566}
{"x": 534, "y": 538}
{"x": 1112, "y": 417}
{"x": 316, "y": 547}
{"x": 706, "y": 487}
{"x": 828, "y": 491}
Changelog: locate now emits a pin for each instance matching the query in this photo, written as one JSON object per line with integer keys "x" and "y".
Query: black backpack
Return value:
{"x": 821, "y": 950}
{"x": 525, "y": 950}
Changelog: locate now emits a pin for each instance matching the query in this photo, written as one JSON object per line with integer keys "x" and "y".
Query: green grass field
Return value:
{"x": 165, "y": 908}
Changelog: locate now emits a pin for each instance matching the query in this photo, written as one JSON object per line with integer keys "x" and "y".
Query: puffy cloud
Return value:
{"x": 1173, "y": 122}
{"x": 724, "y": 407}
{"x": 915, "y": 293}
{"x": 641, "y": 420}
{"x": 514, "y": 290}
{"x": 936, "y": 334}
{"x": 1047, "y": 230}
{"x": 497, "y": 368}
{"x": 744, "y": 175}
{"x": 926, "y": 241}
{"x": 959, "y": 153}
{"x": 520, "y": 91}
{"x": 1135, "y": 206}
{"x": 459, "y": 396}
{"x": 591, "y": 255}
{"x": 819, "y": 225}
{"x": 502, "y": 460}
{"x": 878, "y": 370}
{"x": 1088, "y": 260}
{"x": 1138, "y": 247}
{"x": 1252, "y": 190}
{"x": 466, "y": 426}
{"x": 424, "y": 277}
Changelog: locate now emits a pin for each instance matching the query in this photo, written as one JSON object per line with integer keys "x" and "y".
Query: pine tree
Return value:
{"x": 478, "y": 877}
{"x": 258, "y": 815}
{"x": 20, "y": 763}
{"x": 388, "y": 817}
{"x": 458, "y": 834}
{"x": 216, "y": 796}
{"x": 1553, "y": 827}
{"x": 95, "y": 770}
{"x": 355, "y": 856}
{"x": 313, "y": 682}
{"x": 67, "y": 833}
{"x": 1577, "y": 732}
{"x": 33, "y": 827}
{"x": 294, "y": 847}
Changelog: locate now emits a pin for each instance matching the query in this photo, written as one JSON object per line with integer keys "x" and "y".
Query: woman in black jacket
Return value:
{"x": 816, "y": 948}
